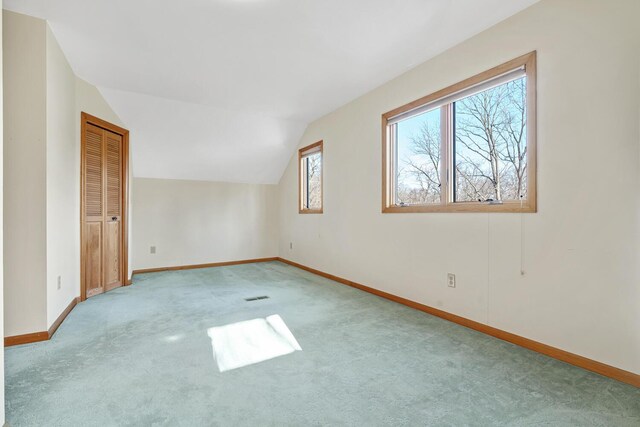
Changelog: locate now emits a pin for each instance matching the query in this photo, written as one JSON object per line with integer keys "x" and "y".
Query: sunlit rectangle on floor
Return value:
{"x": 252, "y": 341}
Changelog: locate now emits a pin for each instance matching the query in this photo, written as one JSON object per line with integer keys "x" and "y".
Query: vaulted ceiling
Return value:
{"x": 222, "y": 90}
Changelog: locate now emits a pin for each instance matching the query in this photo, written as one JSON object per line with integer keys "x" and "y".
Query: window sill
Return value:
{"x": 471, "y": 207}
{"x": 310, "y": 211}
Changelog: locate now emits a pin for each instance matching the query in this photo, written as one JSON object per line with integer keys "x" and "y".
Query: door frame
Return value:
{"x": 124, "y": 245}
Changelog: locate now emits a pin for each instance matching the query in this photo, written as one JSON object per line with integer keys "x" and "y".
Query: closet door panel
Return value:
{"x": 113, "y": 199}
{"x": 103, "y": 177}
{"x": 93, "y": 258}
{"x": 92, "y": 246}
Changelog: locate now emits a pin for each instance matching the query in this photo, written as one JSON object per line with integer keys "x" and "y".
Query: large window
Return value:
{"x": 310, "y": 178}
{"x": 467, "y": 148}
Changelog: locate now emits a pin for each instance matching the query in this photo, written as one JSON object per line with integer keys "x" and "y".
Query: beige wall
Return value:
{"x": 42, "y": 171}
{"x": 580, "y": 291}
{"x": 198, "y": 222}
{"x": 1, "y": 233}
{"x": 62, "y": 181}
{"x": 25, "y": 132}
{"x": 90, "y": 100}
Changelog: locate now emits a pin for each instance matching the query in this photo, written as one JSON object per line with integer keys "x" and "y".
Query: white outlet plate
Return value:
{"x": 451, "y": 280}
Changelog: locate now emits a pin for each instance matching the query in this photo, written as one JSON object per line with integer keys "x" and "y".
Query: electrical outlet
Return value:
{"x": 451, "y": 280}
{"x": 152, "y": 249}
{"x": 59, "y": 282}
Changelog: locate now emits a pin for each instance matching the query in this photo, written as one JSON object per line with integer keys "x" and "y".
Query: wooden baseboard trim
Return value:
{"x": 52, "y": 330}
{"x": 213, "y": 264}
{"x": 556, "y": 353}
{"x": 26, "y": 338}
{"x": 42, "y": 335}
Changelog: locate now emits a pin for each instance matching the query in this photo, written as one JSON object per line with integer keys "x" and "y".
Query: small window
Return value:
{"x": 466, "y": 148}
{"x": 310, "y": 182}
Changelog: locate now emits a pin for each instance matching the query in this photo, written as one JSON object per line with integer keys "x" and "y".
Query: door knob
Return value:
{"x": 114, "y": 218}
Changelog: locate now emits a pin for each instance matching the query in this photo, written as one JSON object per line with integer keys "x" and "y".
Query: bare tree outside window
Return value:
{"x": 490, "y": 144}
{"x": 313, "y": 169}
{"x": 310, "y": 178}
{"x": 418, "y": 176}
{"x": 490, "y": 149}
{"x": 469, "y": 147}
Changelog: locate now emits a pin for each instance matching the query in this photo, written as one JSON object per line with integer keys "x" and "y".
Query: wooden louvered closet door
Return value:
{"x": 102, "y": 198}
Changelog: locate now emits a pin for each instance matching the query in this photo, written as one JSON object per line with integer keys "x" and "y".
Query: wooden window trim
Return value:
{"x": 89, "y": 119}
{"x": 448, "y": 205}
{"x": 316, "y": 147}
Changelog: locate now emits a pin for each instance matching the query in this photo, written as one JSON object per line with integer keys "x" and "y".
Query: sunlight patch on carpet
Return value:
{"x": 244, "y": 343}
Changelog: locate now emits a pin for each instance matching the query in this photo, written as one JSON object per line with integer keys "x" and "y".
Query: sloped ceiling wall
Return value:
{"x": 223, "y": 89}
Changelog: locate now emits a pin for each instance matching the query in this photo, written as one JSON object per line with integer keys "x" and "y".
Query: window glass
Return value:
{"x": 310, "y": 179}
{"x": 490, "y": 141}
{"x": 313, "y": 180}
{"x": 418, "y": 164}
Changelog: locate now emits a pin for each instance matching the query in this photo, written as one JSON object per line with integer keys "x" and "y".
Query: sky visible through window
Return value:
{"x": 418, "y": 175}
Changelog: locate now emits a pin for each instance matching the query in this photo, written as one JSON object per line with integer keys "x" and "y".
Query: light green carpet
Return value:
{"x": 141, "y": 356}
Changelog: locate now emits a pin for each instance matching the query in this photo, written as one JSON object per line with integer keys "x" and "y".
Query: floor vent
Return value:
{"x": 256, "y": 298}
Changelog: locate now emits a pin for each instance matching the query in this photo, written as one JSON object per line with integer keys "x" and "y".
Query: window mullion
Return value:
{"x": 447, "y": 154}
{"x": 451, "y": 144}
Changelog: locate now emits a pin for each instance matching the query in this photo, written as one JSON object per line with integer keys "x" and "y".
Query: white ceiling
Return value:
{"x": 223, "y": 89}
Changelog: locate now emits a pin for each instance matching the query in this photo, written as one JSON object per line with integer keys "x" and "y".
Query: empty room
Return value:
{"x": 320, "y": 213}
